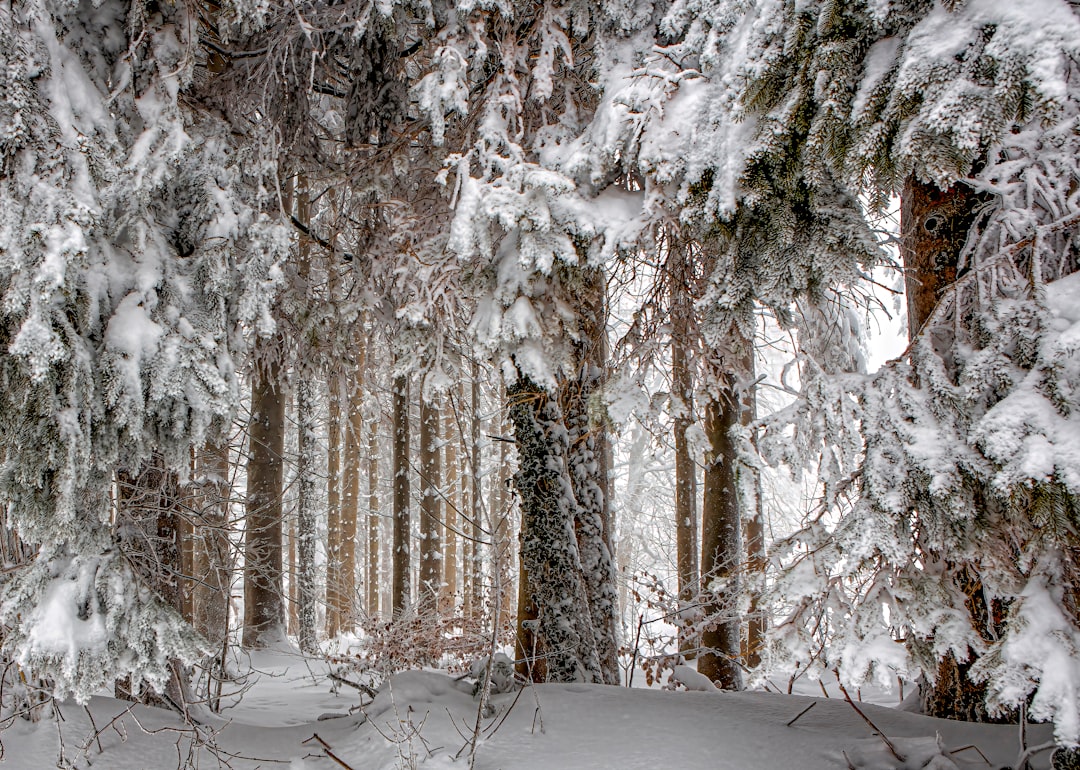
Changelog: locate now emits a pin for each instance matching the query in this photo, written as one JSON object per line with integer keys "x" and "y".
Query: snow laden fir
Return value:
{"x": 621, "y": 258}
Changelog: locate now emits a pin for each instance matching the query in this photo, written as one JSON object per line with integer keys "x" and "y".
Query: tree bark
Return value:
{"x": 264, "y": 612}
{"x": 211, "y": 553}
{"x": 307, "y": 515}
{"x": 588, "y": 464}
{"x": 430, "y": 506}
{"x": 400, "y": 598}
{"x": 373, "y": 521}
{"x": 350, "y": 505}
{"x": 451, "y": 518}
{"x": 757, "y": 621}
{"x": 148, "y": 521}
{"x": 333, "y": 509}
{"x": 721, "y": 536}
{"x": 682, "y": 385}
{"x": 556, "y": 641}
{"x": 934, "y": 226}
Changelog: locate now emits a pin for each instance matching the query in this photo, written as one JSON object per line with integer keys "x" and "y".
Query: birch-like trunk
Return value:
{"x": 373, "y": 539}
{"x": 307, "y": 513}
{"x": 430, "y": 505}
{"x": 451, "y": 517}
{"x": 350, "y": 505}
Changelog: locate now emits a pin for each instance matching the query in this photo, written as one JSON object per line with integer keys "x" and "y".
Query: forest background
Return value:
{"x": 580, "y": 290}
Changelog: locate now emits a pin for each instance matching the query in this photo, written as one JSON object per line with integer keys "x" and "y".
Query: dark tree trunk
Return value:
{"x": 721, "y": 537}
{"x": 264, "y": 610}
{"x": 934, "y": 226}
{"x": 211, "y": 553}
{"x": 400, "y": 593}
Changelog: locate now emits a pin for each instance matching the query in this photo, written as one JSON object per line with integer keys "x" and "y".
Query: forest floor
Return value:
{"x": 424, "y": 718}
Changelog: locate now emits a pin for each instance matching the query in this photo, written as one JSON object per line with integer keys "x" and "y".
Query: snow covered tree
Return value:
{"x": 134, "y": 254}
{"x": 947, "y": 471}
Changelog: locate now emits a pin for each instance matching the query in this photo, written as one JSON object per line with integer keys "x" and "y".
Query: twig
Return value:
{"x": 357, "y": 685}
{"x": 972, "y": 747}
{"x": 97, "y": 733}
{"x": 329, "y": 752}
{"x": 1028, "y": 753}
{"x": 889, "y": 744}
{"x": 796, "y": 717}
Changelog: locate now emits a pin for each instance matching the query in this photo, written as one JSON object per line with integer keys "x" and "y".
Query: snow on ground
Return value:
{"x": 423, "y": 719}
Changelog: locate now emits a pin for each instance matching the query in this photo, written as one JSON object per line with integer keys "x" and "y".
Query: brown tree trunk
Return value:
{"x": 264, "y": 611}
{"x": 430, "y": 506}
{"x": 400, "y": 598}
{"x": 934, "y": 226}
{"x": 757, "y": 621}
{"x": 211, "y": 553}
{"x": 721, "y": 536}
{"x": 682, "y": 385}
{"x": 333, "y": 510}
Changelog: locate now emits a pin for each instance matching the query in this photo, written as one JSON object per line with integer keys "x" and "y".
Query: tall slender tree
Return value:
{"x": 264, "y": 588}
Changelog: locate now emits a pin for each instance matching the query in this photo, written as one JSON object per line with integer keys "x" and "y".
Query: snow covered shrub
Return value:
{"x": 425, "y": 639}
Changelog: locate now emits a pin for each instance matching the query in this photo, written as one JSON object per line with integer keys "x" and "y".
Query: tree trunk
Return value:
{"x": 721, "y": 537}
{"x": 682, "y": 386}
{"x": 333, "y": 510}
{"x": 934, "y": 227}
{"x": 757, "y": 621}
{"x": 264, "y": 612}
{"x": 147, "y": 508}
{"x": 448, "y": 598}
{"x": 373, "y": 521}
{"x": 211, "y": 552}
{"x": 430, "y": 506}
{"x": 587, "y": 464}
{"x": 556, "y": 641}
{"x": 400, "y": 593}
{"x": 475, "y": 563}
{"x": 350, "y": 506}
{"x": 307, "y": 515}
{"x": 501, "y": 503}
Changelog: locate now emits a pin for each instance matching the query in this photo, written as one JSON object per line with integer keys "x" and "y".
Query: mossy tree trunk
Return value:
{"x": 555, "y": 637}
